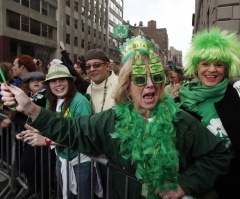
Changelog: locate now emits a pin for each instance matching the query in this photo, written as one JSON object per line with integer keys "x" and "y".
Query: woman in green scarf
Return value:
{"x": 214, "y": 59}
{"x": 145, "y": 133}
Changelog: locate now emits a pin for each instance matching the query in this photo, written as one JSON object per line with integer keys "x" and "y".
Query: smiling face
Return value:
{"x": 35, "y": 85}
{"x": 78, "y": 69}
{"x": 145, "y": 97}
{"x": 97, "y": 74}
{"x": 212, "y": 73}
{"x": 59, "y": 87}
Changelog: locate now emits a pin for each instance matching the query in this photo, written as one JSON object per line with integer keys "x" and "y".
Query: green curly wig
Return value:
{"x": 214, "y": 45}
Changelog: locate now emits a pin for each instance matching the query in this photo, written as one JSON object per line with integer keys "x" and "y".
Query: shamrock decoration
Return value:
{"x": 121, "y": 30}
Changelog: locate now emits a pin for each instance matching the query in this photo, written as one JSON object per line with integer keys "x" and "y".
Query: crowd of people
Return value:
{"x": 180, "y": 139}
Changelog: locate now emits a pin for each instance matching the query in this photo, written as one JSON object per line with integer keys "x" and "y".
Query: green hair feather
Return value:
{"x": 214, "y": 45}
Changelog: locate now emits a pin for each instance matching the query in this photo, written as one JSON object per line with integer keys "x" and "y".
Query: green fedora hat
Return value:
{"x": 58, "y": 71}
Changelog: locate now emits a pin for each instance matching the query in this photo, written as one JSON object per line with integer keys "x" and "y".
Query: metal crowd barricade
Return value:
{"x": 11, "y": 168}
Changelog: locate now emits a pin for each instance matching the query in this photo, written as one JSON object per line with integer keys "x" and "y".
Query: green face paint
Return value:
{"x": 139, "y": 70}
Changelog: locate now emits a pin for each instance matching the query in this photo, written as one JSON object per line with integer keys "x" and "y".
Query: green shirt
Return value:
{"x": 78, "y": 107}
{"x": 211, "y": 120}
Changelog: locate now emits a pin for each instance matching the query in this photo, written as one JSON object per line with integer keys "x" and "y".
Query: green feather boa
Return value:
{"x": 150, "y": 146}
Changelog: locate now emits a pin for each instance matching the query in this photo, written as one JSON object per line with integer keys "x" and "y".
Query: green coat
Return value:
{"x": 203, "y": 157}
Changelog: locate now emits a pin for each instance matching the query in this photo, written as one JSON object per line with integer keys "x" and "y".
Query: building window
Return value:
{"x": 104, "y": 24}
{"x": 25, "y": 3}
{"x": 89, "y": 1}
{"x": 35, "y": 5}
{"x": 52, "y": 12}
{"x": 44, "y": 8}
{"x": 44, "y": 30}
{"x": 100, "y": 6}
{"x": 104, "y": 38}
{"x": 82, "y": 26}
{"x": 89, "y": 30}
{"x": 17, "y": 1}
{"x": 99, "y": 21}
{"x": 25, "y": 24}
{"x": 75, "y": 57}
{"x": 76, "y": 6}
{"x": 35, "y": 27}
{"x": 94, "y": 18}
{"x": 99, "y": 47}
{"x": 68, "y": 3}
{"x": 68, "y": 20}
{"x": 94, "y": 32}
{"x": 82, "y": 43}
{"x": 94, "y": 46}
{"x": 67, "y": 38}
{"x": 75, "y": 41}
{"x": 89, "y": 14}
{"x": 104, "y": 10}
{"x": 89, "y": 45}
{"x": 83, "y": 10}
{"x": 110, "y": 40}
{"x": 13, "y": 20}
{"x": 104, "y": 49}
{"x": 95, "y": 3}
{"x": 99, "y": 35}
{"x": 76, "y": 23}
{"x": 110, "y": 28}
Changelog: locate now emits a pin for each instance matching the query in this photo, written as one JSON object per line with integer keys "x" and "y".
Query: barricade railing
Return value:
{"x": 10, "y": 168}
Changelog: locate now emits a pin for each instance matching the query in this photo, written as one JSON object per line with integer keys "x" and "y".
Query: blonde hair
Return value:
{"x": 122, "y": 95}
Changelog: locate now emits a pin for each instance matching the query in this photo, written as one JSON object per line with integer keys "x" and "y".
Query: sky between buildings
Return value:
{"x": 174, "y": 15}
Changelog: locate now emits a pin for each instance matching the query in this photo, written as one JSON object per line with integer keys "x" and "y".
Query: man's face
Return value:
{"x": 97, "y": 70}
{"x": 17, "y": 70}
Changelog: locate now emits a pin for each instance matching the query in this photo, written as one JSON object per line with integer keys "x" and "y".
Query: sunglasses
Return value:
{"x": 141, "y": 80}
{"x": 96, "y": 65}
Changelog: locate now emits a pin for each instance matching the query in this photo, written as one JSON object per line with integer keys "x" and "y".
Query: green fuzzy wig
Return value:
{"x": 214, "y": 45}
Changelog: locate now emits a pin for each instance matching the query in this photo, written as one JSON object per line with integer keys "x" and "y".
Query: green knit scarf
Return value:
{"x": 192, "y": 94}
{"x": 150, "y": 146}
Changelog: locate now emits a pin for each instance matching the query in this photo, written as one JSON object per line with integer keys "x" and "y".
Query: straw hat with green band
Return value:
{"x": 58, "y": 71}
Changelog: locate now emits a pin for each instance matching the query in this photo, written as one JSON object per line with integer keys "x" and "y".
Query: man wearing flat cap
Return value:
{"x": 100, "y": 90}
{"x": 103, "y": 80}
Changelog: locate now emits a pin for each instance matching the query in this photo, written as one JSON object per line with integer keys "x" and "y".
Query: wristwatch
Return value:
{"x": 48, "y": 142}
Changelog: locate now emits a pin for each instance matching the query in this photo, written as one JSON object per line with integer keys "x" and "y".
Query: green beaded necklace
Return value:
{"x": 104, "y": 93}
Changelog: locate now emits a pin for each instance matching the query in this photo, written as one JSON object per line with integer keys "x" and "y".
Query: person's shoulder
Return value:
{"x": 79, "y": 98}
{"x": 186, "y": 120}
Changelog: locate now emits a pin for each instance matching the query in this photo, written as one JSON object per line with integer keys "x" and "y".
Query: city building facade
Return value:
{"x": 35, "y": 27}
{"x": 175, "y": 56}
{"x": 160, "y": 35}
{"x": 217, "y": 13}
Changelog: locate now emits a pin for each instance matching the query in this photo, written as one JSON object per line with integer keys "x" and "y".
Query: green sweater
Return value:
{"x": 203, "y": 157}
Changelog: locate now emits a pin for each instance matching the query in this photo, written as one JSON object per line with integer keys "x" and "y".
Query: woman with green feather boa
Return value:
{"x": 214, "y": 58}
{"x": 146, "y": 133}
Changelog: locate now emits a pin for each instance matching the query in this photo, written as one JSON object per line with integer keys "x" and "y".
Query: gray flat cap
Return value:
{"x": 33, "y": 75}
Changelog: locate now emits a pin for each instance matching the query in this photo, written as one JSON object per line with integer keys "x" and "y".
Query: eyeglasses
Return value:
{"x": 141, "y": 80}
{"x": 96, "y": 65}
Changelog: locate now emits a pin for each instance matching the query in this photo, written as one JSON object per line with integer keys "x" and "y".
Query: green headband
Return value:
{"x": 174, "y": 67}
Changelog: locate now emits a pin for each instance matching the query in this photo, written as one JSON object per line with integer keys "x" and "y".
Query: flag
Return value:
{"x": 121, "y": 30}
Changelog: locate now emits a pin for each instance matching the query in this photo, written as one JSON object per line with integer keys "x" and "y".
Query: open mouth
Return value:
{"x": 149, "y": 97}
{"x": 211, "y": 77}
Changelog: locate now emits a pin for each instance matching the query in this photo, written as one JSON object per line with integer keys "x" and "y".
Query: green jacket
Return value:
{"x": 203, "y": 157}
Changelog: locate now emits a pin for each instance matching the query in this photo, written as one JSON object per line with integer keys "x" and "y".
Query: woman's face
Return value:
{"x": 59, "y": 87}
{"x": 145, "y": 97}
{"x": 78, "y": 69}
{"x": 212, "y": 73}
{"x": 35, "y": 85}
{"x": 173, "y": 76}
